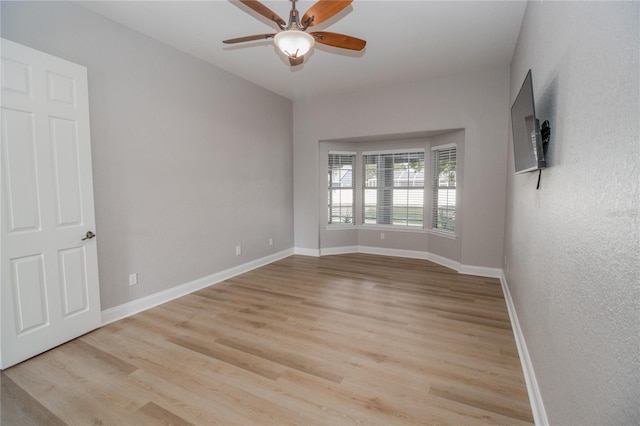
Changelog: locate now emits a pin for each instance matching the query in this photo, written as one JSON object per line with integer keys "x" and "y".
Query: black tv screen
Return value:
{"x": 527, "y": 143}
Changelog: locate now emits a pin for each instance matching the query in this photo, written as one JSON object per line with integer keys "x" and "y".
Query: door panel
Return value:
{"x": 30, "y": 299}
{"x": 16, "y": 77}
{"x": 50, "y": 291}
{"x": 63, "y": 134}
{"x": 61, "y": 88}
{"x": 73, "y": 280}
{"x": 20, "y": 170}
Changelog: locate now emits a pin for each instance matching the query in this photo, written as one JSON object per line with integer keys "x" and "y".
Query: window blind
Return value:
{"x": 444, "y": 188}
{"x": 393, "y": 188}
{"x": 341, "y": 190}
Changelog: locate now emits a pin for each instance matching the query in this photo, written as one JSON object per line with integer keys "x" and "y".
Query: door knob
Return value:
{"x": 89, "y": 236}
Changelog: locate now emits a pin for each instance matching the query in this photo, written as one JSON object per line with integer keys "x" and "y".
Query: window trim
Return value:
{"x": 434, "y": 184}
{"x": 352, "y": 187}
{"x": 363, "y": 187}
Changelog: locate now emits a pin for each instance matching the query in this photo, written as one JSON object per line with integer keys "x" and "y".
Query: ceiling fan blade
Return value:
{"x": 296, "y": 61}
{"x": 249, "y": 38}
{"x": 323, "y": 10}
{"x": 339, "y": 40}
{"x": 264, "y": 11}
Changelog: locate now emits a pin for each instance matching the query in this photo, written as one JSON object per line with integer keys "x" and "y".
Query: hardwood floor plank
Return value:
{"x": 17, "y": 407}
{"x": 295, "y": 361}
{"x": 102, "y": 360}
{"x": 479, "y": 399}
{"x": 200, "y": 406}
{"x": 329, "y": 340}
{"x": 351, "y": 407}
{"x": 152, "y": 413}
{"x": 356, "y": 312}
{"x": 231, "y": 356}
{"x": 70, "y": 394}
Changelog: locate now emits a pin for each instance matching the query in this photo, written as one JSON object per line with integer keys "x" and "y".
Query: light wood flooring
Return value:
{"x": 333, "y": 340}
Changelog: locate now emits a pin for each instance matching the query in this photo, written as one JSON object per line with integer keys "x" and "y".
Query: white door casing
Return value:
{"x": 49, "y": 291}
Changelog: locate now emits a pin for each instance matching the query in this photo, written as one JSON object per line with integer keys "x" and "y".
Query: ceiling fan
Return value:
{"x": 292, "y": 39}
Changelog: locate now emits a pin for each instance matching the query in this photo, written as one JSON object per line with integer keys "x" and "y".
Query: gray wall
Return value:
{"x": 573, "y": 262}
{"x": 477, "y": 102}
{"x": 188, "y": 160}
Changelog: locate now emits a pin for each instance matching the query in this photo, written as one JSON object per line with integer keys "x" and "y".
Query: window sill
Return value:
{"x": 340, "y": 227}
{"x": 373, "y": 228}
{"x": 390, "y": 228}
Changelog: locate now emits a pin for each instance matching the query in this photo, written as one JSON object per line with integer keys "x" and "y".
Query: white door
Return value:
{"x": 49, "y": 268}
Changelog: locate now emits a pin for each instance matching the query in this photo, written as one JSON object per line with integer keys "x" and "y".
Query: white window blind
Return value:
{"x": 340, "y": 189}
{"x": 393, "y": 188}
{"x": 444, "y": 188}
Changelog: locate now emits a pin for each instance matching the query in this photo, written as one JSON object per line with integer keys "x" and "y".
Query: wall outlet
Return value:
{"x": 238, "y": 250}
{"x": 270, "y": 241}
{"x": 133, "y": 279}
{"x": 382, "y": 235}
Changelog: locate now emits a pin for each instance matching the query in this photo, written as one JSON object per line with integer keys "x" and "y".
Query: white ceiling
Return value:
{"x": 406, "y": 40}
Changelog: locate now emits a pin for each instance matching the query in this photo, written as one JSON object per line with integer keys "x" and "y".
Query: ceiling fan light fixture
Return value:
{"x": 294, "y": 43}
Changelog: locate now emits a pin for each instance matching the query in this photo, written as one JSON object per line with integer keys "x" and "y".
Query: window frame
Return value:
{"x": 436, "y": 153}
{"x": 330, "y": 189}
{"x": 385, "y": 193}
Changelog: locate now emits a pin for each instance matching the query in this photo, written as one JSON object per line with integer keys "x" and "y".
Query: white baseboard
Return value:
{"x": 452, "y": 264}
{"x": 411, "y": 254}
{"x": 481, "y": 271}
{"x": 382, "y": 251}
{"x": 338, "y": 250}
{"x": 307, "y": 252}
{"x": 415, "y": 254}
{"x": 135, "y": 306}
{"x": 535, "y": 397}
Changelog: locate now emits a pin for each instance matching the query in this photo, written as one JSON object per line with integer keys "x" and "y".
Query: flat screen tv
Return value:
{"x": 527, "y": 143}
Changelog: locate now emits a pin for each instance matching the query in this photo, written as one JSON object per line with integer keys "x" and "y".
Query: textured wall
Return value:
{"x": 188, "y": 160}
{"x": 571, "y": 248}
{"x": 476, "y": 102}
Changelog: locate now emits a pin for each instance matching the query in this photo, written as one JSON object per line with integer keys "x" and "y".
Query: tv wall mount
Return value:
{"x": 545, "y": 134}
